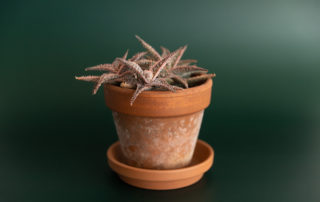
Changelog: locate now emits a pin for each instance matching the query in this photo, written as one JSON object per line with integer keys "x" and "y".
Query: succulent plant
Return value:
{"x": 149, "y": 70}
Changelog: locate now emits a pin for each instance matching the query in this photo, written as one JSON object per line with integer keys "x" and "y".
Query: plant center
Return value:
{"x": 148, "y": 75}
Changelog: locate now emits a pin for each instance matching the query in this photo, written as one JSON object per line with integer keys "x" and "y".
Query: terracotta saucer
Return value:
{"x": 162, "y": 179}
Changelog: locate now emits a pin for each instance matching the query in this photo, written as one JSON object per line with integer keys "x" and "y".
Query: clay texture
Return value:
{"x": 155, "y": 179}
{"x": 158, "y": 143}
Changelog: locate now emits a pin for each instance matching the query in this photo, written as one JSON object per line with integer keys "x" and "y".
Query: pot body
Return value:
{"x": 160, "y": 130}
{"x": 158, "y": 143}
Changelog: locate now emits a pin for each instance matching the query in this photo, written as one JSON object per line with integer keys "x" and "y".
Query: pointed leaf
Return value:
{"x": 188, "y": 68}
{"x": 164, "y": 61}
{"x": 145, "y": 62}
{"x": 125, "y": 54}
{"x": 199, "y": 78}
{"x": 104, "y": 78}
{"x": 120, "y": 67}
{"x": 139, "y": 90}
{"x": 102, "y": 67}
{"x": 186, "y": 62}
{"x": 138, "y": 56}
{"x": 134, "y": 66}
{"x": 179, "y": 80}
{"x": 164, "y": 84}
{"x": 151, "y": 50}
{"x": 165, "y": 51}
{"x": 88, "y": 78}
{"x": 181, "y": 52}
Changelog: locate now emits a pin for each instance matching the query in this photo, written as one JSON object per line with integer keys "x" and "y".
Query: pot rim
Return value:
{"x": 159, "y": 103}
{"x": 165, "y": 93}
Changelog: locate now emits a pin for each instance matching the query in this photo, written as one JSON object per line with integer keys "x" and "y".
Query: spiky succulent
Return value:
{"x": 149, "y": 71}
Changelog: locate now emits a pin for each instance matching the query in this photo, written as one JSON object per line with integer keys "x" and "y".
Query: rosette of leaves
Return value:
{"x": 149, "y": 70}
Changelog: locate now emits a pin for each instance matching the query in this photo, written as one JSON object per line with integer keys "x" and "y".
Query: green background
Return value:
{"x": 263, "y": 121}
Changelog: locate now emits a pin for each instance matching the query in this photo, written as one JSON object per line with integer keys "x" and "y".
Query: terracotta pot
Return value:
{"x": 160, "y": 130}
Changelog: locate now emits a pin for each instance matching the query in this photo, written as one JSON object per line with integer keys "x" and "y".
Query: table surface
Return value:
{"x": 263, "y": 121}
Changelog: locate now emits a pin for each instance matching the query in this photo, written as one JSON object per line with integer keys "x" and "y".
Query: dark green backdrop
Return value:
{"x": 263, "y": 121}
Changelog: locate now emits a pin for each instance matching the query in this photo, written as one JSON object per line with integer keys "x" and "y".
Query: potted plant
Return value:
{"x": 157, "y": 101}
